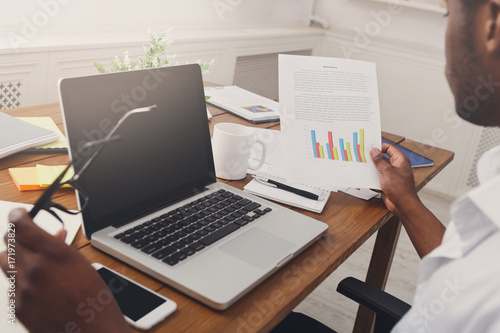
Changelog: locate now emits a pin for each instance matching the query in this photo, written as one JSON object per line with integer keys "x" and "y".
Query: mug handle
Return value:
{"x": 262, "y": 158}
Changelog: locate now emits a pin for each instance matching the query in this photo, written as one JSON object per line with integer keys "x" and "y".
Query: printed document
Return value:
{"x": 330, "y": 119}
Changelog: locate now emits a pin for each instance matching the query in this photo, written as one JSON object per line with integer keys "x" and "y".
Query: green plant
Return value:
{"x": 156, "y": 56}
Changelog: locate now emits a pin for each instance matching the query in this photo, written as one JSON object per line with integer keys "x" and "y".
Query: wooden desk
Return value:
{"x": 352, "y": 221}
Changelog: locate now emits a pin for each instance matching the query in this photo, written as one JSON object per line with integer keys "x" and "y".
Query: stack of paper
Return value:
{"x": 26, "y": 179}
{"x": 48, "y": 223}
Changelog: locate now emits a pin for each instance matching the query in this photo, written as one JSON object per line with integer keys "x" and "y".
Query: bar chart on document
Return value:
{"x": 326, "y": 154}
{"x": 337, "y": 145}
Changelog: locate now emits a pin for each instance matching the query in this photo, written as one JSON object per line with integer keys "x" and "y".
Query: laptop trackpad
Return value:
{"x": 258, "y": 248}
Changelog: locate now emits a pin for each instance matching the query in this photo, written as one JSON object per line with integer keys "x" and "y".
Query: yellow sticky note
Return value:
{"x": 26, "y": 179}
{"x": 47, "y": 174}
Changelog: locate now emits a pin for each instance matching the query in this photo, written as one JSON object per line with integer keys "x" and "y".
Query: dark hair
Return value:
{"x": 473, "y": 4}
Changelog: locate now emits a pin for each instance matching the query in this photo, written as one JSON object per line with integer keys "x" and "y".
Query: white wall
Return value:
{"x": 112, "y": 15}
{"x": 408, "y": 47}
{"x": 409, "y": 26}
{"x": 43, "y": 40}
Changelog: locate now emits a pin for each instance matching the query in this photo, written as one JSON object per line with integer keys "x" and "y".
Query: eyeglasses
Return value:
{"x": 45, "y": 202}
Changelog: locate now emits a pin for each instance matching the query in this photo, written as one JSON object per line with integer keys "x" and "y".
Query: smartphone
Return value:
{"x": 142, "y": 307}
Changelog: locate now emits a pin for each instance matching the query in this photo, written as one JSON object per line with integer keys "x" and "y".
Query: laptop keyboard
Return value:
{"x": 181, "y": 233}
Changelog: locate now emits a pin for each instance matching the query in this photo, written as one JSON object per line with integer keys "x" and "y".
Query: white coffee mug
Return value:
{"x": 231, "y": 145}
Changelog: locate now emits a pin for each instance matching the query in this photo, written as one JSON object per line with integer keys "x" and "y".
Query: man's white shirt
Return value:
{"x": 459, "y": 282}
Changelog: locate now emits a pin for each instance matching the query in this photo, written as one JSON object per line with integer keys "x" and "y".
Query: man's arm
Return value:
{"x": 57, "y": 290}
{"x": 400, "y": 197}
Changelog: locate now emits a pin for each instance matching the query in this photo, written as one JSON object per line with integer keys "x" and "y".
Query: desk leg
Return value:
{"x": 378, "y": 271}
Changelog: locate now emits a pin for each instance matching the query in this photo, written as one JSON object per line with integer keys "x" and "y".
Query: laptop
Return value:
{"x": 154, "y": 200}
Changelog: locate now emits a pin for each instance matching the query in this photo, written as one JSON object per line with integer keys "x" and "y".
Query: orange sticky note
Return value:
{"x": 26, "y": 179}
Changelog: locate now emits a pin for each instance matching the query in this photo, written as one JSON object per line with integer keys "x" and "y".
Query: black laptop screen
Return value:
{"x": 163, "y": 155}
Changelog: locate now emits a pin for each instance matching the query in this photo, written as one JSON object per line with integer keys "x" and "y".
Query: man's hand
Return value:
{"x": 396, "y": 178}
{"x": 57, "y": 290}
{"x": 400, "y": 197}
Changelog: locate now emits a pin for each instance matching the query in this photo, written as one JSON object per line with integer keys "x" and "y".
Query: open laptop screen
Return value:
{"x": 165, "y": 154}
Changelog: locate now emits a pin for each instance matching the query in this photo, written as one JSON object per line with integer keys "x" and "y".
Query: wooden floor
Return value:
{"x": 338, "y": 312}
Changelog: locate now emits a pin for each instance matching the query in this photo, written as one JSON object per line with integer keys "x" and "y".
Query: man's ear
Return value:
{"x": 493, "y": 27}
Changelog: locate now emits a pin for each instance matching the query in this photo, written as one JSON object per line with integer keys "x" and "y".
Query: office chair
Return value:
{"x": 297, "y": 322}
{"x": 388, "y": 309}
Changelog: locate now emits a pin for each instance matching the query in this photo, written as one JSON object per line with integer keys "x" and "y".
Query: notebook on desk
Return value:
{"x": 154, "y": 200}
{"x": 416, "y": 160}
{"x": 58, "y": 147}
{"x": 17, "y": 135}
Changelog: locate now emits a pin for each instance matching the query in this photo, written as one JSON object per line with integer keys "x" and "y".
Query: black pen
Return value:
{"x": 281, "y": 186}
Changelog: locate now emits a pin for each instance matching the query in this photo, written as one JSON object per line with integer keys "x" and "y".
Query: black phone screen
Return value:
{"x": 134, "y": 301}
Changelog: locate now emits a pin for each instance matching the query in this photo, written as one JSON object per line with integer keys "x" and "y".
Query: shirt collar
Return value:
{"x": 487, "y": 199}
{"x": 487, "y": 196}
{"x": 476, "y": 215}
{"x": 488, "y": 167}
{"x": 471, "y": 221}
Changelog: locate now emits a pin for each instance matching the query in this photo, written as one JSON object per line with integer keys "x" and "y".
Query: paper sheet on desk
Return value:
{"x": 289, "y": 198}
{"x": 271, "y": 169}
{"x": 48, "y": 223}
{"x": 362, "y": 193}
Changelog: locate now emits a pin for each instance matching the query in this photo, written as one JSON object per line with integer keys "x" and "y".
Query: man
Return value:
{"x": 459, "y": 284}
{"x": 459, "y": 279}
